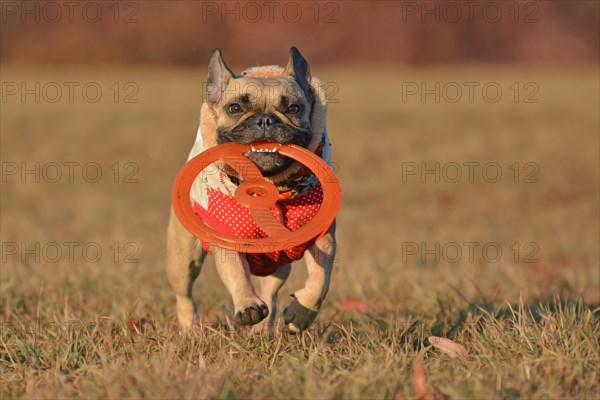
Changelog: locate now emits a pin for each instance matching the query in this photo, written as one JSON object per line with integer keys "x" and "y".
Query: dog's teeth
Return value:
{"x": 273, "y": 150}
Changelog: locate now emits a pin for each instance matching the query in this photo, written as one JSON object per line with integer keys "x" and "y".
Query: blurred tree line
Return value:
{"x": 409, "y": 32}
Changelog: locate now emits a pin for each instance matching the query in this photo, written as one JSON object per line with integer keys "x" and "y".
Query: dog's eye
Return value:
{"x": 293, "y": 109}
{"x": 234, "y": 108}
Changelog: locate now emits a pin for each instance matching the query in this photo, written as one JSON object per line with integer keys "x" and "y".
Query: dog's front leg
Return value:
{"x": 234, "y": 271}
{"x": 307, "y": 301}
{"x": 269, "y": 289}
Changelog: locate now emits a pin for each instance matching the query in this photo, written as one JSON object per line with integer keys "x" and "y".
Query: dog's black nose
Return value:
{"x": 263, "y": 121}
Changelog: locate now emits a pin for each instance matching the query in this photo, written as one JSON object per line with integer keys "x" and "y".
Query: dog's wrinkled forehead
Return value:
{"x": 260, "y": 91}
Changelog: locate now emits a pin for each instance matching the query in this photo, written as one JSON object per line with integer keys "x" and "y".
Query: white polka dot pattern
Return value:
{"x": 295, "y": 212}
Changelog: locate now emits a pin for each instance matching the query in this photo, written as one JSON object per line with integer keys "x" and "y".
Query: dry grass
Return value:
{"x": 531, "y": 328}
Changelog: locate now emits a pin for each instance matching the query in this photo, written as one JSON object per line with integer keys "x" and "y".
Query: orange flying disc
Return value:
{"x": 258, "y": 195}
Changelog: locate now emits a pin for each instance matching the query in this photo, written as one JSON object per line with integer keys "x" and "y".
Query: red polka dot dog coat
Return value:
{"x": 226, "y": 215}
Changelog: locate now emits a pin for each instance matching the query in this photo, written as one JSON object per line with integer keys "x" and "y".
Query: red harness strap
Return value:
{"x": 226, "y": 215}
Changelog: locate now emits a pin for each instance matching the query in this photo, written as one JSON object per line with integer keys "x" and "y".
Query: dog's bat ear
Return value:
{"x": 219, "y": 75}
{"x": 298, "y": 68}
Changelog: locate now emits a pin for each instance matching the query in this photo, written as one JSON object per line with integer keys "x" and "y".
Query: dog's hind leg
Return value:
{"x": 307, "y": 301}
{"x": 185, "y": 257}
{"x": 269, "y": 288}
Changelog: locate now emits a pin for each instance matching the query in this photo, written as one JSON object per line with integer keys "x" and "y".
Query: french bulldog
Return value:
{"x": 284, "y": 105}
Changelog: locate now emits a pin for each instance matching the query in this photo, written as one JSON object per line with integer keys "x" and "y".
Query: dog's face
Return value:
{"x": 262, "y": 104}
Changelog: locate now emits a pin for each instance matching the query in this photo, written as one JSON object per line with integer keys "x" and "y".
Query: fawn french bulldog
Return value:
{"x": 268, "y": 103}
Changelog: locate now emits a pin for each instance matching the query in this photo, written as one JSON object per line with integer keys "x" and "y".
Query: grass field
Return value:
{"x": 506, "y": 265}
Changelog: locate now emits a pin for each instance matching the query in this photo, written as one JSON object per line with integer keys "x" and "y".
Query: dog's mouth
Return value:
{"x": 269, "y": 161}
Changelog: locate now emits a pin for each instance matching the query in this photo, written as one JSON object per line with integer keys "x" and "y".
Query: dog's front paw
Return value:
{"x": 297, "y": 317}
{"x": 251, "y": 314}
{"x": 187, "y": 313}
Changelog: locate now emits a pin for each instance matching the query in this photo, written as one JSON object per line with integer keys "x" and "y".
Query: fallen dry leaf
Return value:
{"x": 419, "y": 381}
{"x": 355, "y": 305}
{"x": 445, "y": 200}
{"x": 448, "y": 347}
{"x": 136, "y": 324}
{"x": 547, "y": 274}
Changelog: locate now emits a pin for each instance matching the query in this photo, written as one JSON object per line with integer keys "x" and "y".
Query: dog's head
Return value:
{"x": 260, "y": 104}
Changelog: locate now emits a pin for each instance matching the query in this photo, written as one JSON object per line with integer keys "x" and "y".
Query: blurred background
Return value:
{"x": 356, "y": 32}
{"x": 465, "y": 135}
